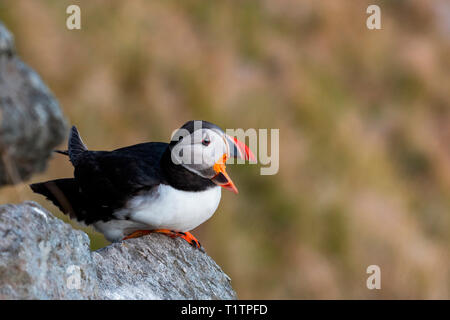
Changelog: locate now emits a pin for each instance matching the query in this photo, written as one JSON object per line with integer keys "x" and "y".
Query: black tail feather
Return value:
{"x": 76, "y": 146}
{"x": 64, "y": 193}
{"x": 64, "y": 152}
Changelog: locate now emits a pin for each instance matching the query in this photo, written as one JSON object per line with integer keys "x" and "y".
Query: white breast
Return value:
{"x": 169, "y": 208}
{"x": 164, "y": 208}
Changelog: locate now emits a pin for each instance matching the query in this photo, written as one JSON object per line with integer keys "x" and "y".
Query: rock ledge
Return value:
{"x": 41, "y": 257}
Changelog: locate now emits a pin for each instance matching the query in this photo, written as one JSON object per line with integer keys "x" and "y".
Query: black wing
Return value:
{"x": 109, "y": 179}
{"x": 104, "y": 181}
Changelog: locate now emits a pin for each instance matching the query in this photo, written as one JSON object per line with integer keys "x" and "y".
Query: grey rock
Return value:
{"x": 41, "y": 257}
{"x": 31, "y": 122}
{"x": 38, "y": 253}
{"x": 158, "y": 267}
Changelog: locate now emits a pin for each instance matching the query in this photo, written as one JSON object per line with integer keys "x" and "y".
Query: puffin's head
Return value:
{"x": 203, "y": 148}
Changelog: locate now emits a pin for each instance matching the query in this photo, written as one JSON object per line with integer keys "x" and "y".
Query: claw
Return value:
{"x": 190, "y": 239}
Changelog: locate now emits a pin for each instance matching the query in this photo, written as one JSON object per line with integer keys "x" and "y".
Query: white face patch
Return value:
{"x": 200, "y": 150}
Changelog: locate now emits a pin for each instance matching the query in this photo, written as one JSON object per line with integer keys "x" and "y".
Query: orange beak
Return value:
{"x": 222, "y": 178}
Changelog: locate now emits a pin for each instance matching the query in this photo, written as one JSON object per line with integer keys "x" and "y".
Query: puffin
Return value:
{"x": 153, "y": 187}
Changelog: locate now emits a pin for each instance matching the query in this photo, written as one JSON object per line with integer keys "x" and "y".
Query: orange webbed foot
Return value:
{"x": 187, "y": 236}
{"x": 190, "y": 239}
{"x": 137, "y": 234}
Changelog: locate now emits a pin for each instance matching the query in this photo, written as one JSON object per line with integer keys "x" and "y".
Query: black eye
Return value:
{"x": 206, "y": 142}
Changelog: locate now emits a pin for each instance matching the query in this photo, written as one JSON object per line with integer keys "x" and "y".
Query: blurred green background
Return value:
{"x": 364, "y": 123}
